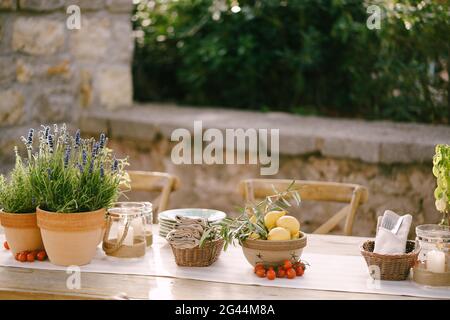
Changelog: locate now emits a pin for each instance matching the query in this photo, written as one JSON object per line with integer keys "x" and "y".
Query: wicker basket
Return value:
{"x": 392, "y": 266}
{"x": 199, "y": 257}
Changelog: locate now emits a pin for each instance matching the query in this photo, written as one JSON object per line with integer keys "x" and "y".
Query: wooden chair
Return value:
{"x": 353, "y": 194}
{"x": 160, "y": 182}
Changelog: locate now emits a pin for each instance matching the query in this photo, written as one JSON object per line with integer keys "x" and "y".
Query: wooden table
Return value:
{"x": 18, "y": 283}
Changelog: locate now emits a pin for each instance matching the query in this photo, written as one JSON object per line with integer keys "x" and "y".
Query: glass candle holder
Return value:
{"x": 125, "y": 234}
{"x": 148, "y": 223}
{"x": 432, "y": 267}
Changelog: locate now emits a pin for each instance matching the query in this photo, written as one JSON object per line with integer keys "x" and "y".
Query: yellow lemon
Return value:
{"x": 289, "y": 223}
{"x": 279, "y": 234}
{"x": 296, "y": 235}
{"x": 270, "y": 219}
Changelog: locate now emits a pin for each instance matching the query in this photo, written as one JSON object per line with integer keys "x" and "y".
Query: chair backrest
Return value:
{"x": 160, "y": 182}
{"x": 353, "y": 194}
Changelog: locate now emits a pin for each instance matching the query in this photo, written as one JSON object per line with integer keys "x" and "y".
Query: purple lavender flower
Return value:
{"x": 66, "y": 157}
{"x": 47, "y": 132}
{"x": 102, "y": 170}
{"x": 95, "y": 149}
{"x": 84, "y": 157}
{"x": 80, "y": 167}
{"x": 30, "y": 137}
{"x": 91, "y": 166}
{"x": 49, "y": 173}
{"x": 115, "y": 165}
{"x": 102, "y": 140}
{"x": 77, "y": 138}
{"x": 50, "y": 142}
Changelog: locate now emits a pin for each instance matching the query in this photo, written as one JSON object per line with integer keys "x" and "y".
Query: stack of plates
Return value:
{"x": 167, "y": 218}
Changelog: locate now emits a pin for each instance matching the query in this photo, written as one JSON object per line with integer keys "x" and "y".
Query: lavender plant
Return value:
{"x": 72, "y": 174}
{"x": 16, "y": 194}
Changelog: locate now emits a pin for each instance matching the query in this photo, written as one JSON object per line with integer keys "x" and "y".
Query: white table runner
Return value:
{"x": 327, "y": 272}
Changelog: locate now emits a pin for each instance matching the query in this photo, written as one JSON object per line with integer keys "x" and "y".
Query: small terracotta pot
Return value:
{"x": 21, "y": 231}
{"x": 273, "y": 252}
{"x": 71, "y": 238}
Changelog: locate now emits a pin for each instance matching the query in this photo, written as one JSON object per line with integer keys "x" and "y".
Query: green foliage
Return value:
{"x": 245, "y": 226}
{"x": 309, "y": 56}
{"x": 441, "y": 170}
{"x": 212, "y": 232}
{"x": 72, "y": 174}
{"x": 16, "y": 194}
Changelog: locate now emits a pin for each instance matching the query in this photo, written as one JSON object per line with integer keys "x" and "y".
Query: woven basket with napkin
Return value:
{"x": 391, "y": 253}
{"x": 185, "y": 241}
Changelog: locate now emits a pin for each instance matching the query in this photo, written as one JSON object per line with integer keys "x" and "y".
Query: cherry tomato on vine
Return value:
{"x": 287, "y": 264}
{"x": 261, "y": 273}
{"x": 23, "y": 257}
{"x": 291, "y": 273}
{"x": 271, "y": 274}
{"x": 299, "y": 271}
{"x": 281, "y": 273}
{"x": 41, "y": 255}
{"x": 259, "y": 266}
{"x": 31, "y": 257}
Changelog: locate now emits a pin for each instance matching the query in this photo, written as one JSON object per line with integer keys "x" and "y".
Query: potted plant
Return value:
{"x": 18, "y": 203}
{"x": 77, "y": 180}
{"x": 441, "y": 170}
{"x": 267, "y": 234}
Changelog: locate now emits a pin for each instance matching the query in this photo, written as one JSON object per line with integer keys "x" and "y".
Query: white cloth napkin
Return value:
{"x": 388, "y": 240}
{"x": 187, "y": 232}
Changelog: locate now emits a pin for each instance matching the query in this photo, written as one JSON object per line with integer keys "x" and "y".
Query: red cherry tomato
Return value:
{"x": 281, "y": 273}
{"x": 261, "y": 273}
{"x": 287, "y": 264}
{"x": 299, "y": 271}
{"x": 290, "y": 273}
{"x": 41, "y": 255}
{"x": 16, "y": 256}
{"x": 6, "y": 245}
{"x": 271, "y": 274}
{"x": 259, "y": 266}
{"x": 31, "y": 257}
{"x": 23, "y": 257}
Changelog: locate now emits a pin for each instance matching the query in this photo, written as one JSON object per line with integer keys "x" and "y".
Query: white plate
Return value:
{"x": 163, "y": 224}
{"x": 165, "y": 229}
{"x": 210, "y": 214}
{"x": 163, "y": 234}
{"x": 167, "y": 222}
{"x": 166, "y": 226}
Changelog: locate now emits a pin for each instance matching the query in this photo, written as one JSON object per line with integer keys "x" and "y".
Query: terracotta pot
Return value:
{"x": 71, "y": 238}
{"x": 21, "y": 231}
{"x": 273, "y": 252}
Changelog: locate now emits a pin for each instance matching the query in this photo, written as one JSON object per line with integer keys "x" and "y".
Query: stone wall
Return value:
{"x": 49, "y": 73}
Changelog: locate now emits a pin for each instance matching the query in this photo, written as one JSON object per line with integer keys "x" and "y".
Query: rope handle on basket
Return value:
{"x": 118, "y": 243}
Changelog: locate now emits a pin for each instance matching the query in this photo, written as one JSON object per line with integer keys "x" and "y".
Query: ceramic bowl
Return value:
{"x": 273, "y": 252}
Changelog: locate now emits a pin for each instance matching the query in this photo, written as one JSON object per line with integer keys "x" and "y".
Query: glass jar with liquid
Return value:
{"x": 127, "y": 230}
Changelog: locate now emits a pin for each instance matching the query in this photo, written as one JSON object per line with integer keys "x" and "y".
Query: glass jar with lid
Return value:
{"x": 432, "y": 267}
{"x": 126, "y": 231}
